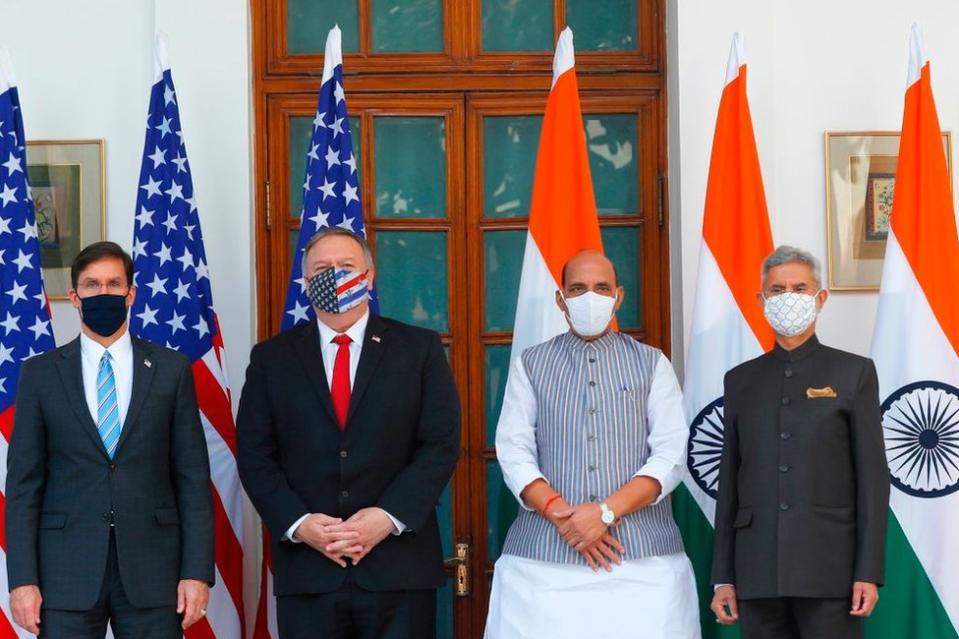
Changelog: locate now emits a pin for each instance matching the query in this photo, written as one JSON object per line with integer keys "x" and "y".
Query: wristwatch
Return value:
{"x": 607, "y": 516}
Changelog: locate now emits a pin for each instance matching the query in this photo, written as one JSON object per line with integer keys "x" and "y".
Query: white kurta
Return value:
{"x": 649, "y": 598}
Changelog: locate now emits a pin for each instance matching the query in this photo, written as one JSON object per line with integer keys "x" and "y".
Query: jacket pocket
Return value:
{"x": 167, "y": 516}
{"x": 744, "y": 516}
{"x": 52, "y": 520}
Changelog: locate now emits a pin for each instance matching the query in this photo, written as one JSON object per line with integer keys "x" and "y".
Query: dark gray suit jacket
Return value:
{"x": 803, "y": 485}
{"x": 63, "y": 491}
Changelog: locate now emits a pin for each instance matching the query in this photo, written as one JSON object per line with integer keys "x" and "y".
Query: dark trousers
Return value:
{"x": 798, "y": 618}
{"x": 112, "y": 606}
{"x": 354, "y": 613}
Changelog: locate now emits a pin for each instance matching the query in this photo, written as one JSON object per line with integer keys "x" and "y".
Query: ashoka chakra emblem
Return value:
{"x": 920, "y": 422}
{"x": 705, "y": 447}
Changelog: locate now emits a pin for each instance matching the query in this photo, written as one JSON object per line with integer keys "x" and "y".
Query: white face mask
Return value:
{"x": 790, "y": 313}
{"x": 590, "y": 313}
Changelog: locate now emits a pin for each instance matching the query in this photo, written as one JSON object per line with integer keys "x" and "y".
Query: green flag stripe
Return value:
{"x": 908, "y": 604}
{"x": 698, "y": 539}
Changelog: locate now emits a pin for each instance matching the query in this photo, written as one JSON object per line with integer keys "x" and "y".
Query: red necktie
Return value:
{"x": 340, "y": 388}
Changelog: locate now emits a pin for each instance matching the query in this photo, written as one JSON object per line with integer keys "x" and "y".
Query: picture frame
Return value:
{"x": 860, "y": 182}
{"x": 67, "y": 180}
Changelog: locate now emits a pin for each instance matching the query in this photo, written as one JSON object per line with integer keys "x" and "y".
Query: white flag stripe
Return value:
{"x": 223, "y": 472}
{"x": 217, "y": 369}
{"x": 905, "y": 314}
{"x": 720, "y": 338}
{"x": 221, "y": 612}
{"x": 538, "y": 318}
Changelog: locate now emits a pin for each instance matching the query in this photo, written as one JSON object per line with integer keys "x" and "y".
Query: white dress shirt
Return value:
{"x": 665, "y": 423}
{"x": 121, "y": 359}
{"x": 357, "y": 333}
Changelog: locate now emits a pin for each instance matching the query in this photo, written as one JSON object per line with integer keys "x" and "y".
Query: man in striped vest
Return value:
{"x": 592, "y": 440}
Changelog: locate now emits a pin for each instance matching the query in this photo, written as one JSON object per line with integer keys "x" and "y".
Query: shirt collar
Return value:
{"x": 357, "y": 332}
{"x": 93, "y": 351}
{"x": 802, "y": 351}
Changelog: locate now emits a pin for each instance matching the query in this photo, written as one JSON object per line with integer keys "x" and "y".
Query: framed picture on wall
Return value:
{"x": 67, "y": 182}
{"x": 860, "y": 182}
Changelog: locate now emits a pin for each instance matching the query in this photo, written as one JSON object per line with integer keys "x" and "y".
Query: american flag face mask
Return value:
{"x": 336, "y": 290}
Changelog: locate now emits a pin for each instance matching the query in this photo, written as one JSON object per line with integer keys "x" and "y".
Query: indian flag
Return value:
{"x": 916, "y": 350}
{"x": 562, "y": 217}
{"x": 728, "y": 326}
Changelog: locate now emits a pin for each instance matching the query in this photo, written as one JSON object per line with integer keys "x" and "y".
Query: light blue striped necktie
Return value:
{"x": 108, "y": 409}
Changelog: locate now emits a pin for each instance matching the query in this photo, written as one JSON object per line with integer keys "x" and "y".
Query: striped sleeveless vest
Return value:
{"x": 591, "y": 439}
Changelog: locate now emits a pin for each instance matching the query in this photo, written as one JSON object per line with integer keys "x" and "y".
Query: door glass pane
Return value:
{"x": 301, "y": 133}
{"x": 503, "y": 263}
{"x": 411, "y": 277}
{"x": 603, "y": 25}
{"x": 410, "y": 166}
{"x": 517, "y": 25}
{"x": 622, "y": 246}
{"x": 444, "y": 597}
{"x": 407, "y": 25}
{"x": 509, "y": 163}
{"x": 501, "y": 508}
{"x": 497, "y": 370}
{"x": 308, "y": 22}
{"x": 612, "y": 139}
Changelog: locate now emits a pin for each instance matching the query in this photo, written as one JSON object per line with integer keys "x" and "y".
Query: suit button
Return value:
{"x": 343, "y": 454}
{"x": 784, "y": 507}
{"x": 784, "y": 468}
{"x": 345, "y": 494}
{"x": 788, "y": 372}
{"x": 592, "y": 383}
{"x": 785, "y": 401}
{"x": 592, "y": 469}
{"x": 591, "y": 438}
{"x": 113, "y": 468}
{"x": 592, "y": 497}
{"x": 105, "y": 516}
{"x": 785, "y": 436}
{"x": 592, "y": 360}
{"x": 592, "y": 411}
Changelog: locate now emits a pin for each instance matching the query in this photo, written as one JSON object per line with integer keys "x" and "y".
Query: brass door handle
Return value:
{"x": 460, "y": 564}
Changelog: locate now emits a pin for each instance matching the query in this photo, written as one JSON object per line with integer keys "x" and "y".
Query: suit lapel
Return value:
{"x": 142, "y": 380}
{"x": 373, "y": 346}
{"x": 307, "y": 347}
{"x": 70, "y": 368}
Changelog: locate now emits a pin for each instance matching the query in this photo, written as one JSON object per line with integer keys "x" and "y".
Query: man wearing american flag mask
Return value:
{"x": 348, "y": 431}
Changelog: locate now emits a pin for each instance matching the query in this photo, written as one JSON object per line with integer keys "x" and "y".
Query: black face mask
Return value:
{"x": 104, "y": 314}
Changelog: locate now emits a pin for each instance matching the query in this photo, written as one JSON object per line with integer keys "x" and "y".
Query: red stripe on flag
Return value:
{"x": 349, "y": 284}
{"x": 229, "y": 556}
{"x": 261, "y": 628}
{"x": 214, "y": 403}
{"x": 6, "y": 628}
{"x": 6, "y": 422}
{"x": 200, "y": 630}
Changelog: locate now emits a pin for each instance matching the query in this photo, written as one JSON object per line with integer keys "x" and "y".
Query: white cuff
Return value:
{"x": 292, "y": 529}
{"x": 668, "y": 475}
{"x": 400, "y": 526}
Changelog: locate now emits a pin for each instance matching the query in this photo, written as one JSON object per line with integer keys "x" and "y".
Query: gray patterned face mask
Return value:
{"x": 790, "y": 313}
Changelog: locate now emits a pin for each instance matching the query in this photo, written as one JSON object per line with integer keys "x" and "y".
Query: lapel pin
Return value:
{"x": 376, "y": 338}
{"x": 147, "y": 363}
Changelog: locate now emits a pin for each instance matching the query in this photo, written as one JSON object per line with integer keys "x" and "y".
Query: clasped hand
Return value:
{"x": 340, "y": 540}
{"x": 583, "y": 529}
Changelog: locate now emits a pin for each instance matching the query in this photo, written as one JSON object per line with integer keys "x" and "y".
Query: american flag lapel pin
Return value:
{"x": 376, "y": 338}
{"x": 147, "y": 363}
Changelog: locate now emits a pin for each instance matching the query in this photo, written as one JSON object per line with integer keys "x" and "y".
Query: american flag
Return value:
{"x": 174, "y": 307}
{"x": 331, "y": 192}
{"x": 25, "y": 328}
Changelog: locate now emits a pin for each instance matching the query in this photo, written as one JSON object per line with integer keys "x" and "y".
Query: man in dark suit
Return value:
{"x": 803, "y": 485}
{"x": 348, "y": 432}
{"x": 109, "y": 513}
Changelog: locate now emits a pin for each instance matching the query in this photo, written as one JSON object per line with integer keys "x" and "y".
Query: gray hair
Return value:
{"x": 329, "y": 232}
{"x": 785, "y": 254}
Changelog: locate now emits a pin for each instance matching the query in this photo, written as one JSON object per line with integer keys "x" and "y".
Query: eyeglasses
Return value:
{"x": 93, "y": 288}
